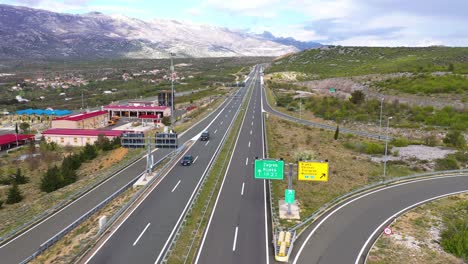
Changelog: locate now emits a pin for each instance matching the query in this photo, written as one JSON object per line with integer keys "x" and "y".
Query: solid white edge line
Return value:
{"x": 235, "y": 239}
{"x": 355, "y": 199}
{"x": 242, "y": 191}
{"x": 175, "y": 187}
{"x": 220, "y": 190}
{"x": 264, "y": 183}
{"x": 397, "y": 214}
{"x": 195, "y": 159}
{"x": 141, "y": 234}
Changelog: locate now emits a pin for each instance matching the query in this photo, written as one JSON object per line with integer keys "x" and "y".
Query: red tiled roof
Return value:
{"x": 11, "y": 138}
{"x": 81, "y": 116}
{"x": 150, "y": 116}
{"x": 82, "y": 132}
{"x": 128, "y": 107}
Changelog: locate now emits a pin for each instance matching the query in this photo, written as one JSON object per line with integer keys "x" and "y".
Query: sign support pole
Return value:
{"x": 289, "y": 185}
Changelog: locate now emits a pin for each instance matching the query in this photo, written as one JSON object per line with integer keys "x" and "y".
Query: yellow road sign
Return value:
{"x": 313, "y": 171}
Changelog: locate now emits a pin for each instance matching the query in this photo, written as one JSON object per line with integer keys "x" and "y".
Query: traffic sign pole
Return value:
{"x": 290, "y": 185}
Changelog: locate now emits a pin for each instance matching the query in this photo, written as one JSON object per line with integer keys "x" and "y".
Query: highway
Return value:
{"x": 346, "y": 233}
{"x": 144, "y": 236}
{"x": 25, "y": 244}
{"x": 237, "y": 230}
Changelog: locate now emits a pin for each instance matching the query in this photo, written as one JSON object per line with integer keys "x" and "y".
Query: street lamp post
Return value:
{"x": 380, "y": 124}
{"x": 172, "y": 92}
{"x": 386, "y": 143}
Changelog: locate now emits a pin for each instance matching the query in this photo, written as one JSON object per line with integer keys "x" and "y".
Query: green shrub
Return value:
{"x": 374, "y": 148}
{"x": 1, "y": 204}
{"x": 454, "y": 236}
{"x": 399, "y": 142}
{"x": 455, "y": 139}
{"x": 446, "y": 164}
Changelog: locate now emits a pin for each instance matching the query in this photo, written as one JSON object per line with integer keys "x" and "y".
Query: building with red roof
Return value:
{"x": 78, "y": 137}
{"x": 87, "y": 120}
{"x": 9, "y": 141}
{"x": 138, "y": 110}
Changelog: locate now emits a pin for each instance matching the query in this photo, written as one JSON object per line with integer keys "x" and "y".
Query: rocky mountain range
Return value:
{"x": 27, "y": 33}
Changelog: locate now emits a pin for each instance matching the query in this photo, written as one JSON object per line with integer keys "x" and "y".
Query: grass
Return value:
{"x": 338, "y": 61}
{"x": 416, "y": 225}
{"x": 196, "y": 218}
{"x": 427, "y": 84}
{"x": 348, "y": 169}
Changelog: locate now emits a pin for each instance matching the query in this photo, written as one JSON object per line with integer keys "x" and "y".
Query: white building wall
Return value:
{"x": 75, "y": 141}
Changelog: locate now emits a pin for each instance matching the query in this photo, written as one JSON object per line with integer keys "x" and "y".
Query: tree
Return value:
{"x": 451, "y": 68}
{"x": 14, "y": 195}
{"x": 357, "y": 97}
{"x": 51, "y": 180}
{"x": 337, "y": 132}
{"x": 166, "y": 121}
{"x": 18, "y": 178}
{"x": 24, "y": 127}
{"x": 89, "y": 152}
{"x": 69, "y": 175}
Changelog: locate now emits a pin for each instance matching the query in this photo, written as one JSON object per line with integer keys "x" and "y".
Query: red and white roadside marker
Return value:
{"x": 387, "y": 231}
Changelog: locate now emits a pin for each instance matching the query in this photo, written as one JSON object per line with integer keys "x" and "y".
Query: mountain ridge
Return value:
{"x": 41, "y": 34}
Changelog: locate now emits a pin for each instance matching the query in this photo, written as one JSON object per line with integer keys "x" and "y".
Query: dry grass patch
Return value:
{"x": 348, "y": 170}
{"x": 416, "y": 236}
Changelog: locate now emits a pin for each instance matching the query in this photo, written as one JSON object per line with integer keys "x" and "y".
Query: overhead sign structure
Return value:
{"x": 269, "y": 169}
{"x": 289, "y": 196}
{"x": 312, "y": 171}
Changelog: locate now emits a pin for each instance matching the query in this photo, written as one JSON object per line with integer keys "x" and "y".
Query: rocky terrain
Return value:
{"x": 33, "y": 33}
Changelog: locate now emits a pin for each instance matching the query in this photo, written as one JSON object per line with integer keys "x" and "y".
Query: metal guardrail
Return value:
{"x": 85, "y": 189}
{"x": 91, "y": 212}
{"x": 326, "y": 206}
{"x": 207, "y": 202}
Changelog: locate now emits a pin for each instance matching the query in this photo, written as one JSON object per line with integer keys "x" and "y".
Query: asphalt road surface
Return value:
{"x": 345, "y": 234}
{"x": 22, "y": 246}
{"x": 237, "y": 231}
{"x": 144, "y": 236}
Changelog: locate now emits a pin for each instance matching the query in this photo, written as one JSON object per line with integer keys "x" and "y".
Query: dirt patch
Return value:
{"x": 103, "y": 162}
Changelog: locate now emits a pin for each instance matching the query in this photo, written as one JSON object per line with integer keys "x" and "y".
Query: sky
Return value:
{"x": 337, "y": 22}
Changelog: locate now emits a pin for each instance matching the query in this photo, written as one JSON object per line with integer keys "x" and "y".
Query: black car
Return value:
{"x": 187, "y": 160}
{"x": 205, "y": 135}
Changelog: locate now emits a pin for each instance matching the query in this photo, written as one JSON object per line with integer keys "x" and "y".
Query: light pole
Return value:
{"x": 380, "y": 124}
{"x": 172, "y": 92}
{"x": 386, "y": 143}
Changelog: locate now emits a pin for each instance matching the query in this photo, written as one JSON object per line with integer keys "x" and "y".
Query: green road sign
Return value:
{"x": 269, "y": 169}
{"x": 289, "y": 196}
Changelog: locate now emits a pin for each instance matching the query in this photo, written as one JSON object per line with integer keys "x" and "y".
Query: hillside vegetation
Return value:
{"x": 338, "y": 61}
{"x": 427, "y": 84}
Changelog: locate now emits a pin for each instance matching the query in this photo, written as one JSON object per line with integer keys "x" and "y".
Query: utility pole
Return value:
{"x": 172, "y": 92}
{"x": 380, "y": 124}
{"x": 386, "y": 143}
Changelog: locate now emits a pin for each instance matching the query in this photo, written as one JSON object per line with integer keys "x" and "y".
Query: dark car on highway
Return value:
{"x": 187, "y": 160}
{"x": 205, "y": 135}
